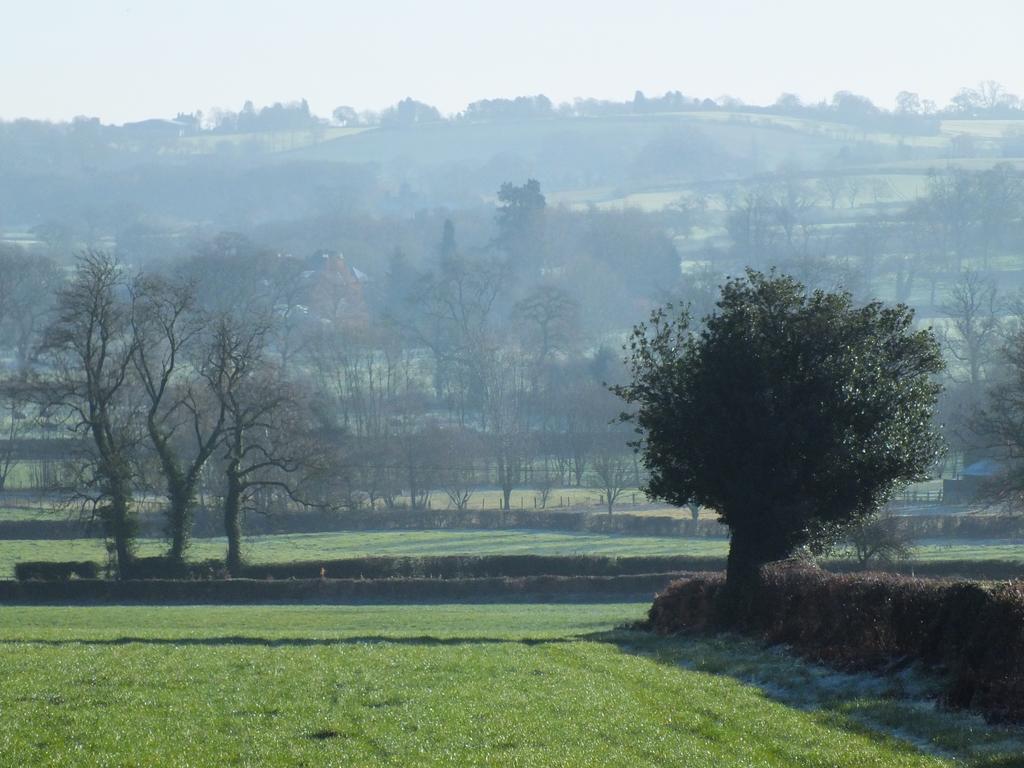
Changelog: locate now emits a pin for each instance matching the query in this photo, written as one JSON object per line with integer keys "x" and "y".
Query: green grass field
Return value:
{"x": 995, "y": 549}
{"x": 531, "y": 685}
{"x": 560, "y": 500}
{"x": 333, "y": 546}
{"x": 30, "y": 513}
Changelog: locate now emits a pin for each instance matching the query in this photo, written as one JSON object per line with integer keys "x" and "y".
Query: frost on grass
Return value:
{"x": 903, "y": 704}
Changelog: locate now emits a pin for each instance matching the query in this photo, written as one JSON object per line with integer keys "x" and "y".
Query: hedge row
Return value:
{"x": 963, "y": 526}
{"x": 479, "y": 566}
{"x": 972, "y": 632}
{"x": 440, "y": 567}
{"x": 983, "y": 570}
{"x": 48, "y": 529}
{"x": 209, "y": 523}
{"x": 328, "y": 591}
{"x": 56, "y": 571}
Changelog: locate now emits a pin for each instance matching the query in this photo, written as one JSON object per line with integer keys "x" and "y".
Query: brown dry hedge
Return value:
{"x": 972, "y": 633}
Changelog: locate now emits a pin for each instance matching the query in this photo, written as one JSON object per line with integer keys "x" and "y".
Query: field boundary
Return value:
{"x": 553, "y": 589}
{"x": 469, "y": 566}
{"x": 209, "y": 524}
{"x": 971, "y": 632}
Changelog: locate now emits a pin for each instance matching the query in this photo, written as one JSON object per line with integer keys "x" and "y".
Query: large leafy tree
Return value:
{"x": 791, "y": 413}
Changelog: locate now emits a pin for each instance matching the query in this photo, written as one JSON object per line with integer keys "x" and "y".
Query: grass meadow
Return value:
{"x": 333, "y": 546}
{"x": 465, "y": 685}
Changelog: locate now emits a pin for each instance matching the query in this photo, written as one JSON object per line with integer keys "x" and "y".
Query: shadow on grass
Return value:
{"x": 297, "y": 642}
{"x": 861, "y": 703}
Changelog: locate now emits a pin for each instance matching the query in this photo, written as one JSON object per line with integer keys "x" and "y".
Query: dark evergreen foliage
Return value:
{"x": 791, "y": 413}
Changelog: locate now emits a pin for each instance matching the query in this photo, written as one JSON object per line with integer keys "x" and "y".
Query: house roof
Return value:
{"x": 983, "y": 468}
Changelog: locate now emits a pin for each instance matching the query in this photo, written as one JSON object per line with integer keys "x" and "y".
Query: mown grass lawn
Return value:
{"x": 418, "y": 685}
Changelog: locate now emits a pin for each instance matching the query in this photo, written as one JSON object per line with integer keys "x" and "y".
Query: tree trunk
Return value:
{"x": 502, "y": 464}
{"x": 750, "y": 549}
{"x": 233, "y": 521}
{"x": 120, "y": 525}
{"x": 179, "y": 518}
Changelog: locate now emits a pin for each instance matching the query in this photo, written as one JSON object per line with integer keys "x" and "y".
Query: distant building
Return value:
{"x": 970, "y": 486}
{"x": 159, "y": 128}
{"x": 333, "y": 290}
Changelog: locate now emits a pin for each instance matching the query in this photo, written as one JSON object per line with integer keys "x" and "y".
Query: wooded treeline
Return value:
{"x": 475, "y": 355}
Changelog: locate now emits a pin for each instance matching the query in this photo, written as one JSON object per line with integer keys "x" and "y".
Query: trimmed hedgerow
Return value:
{"x": 328, "y": 591}
{"x": 439, "y": 567}
{"x": 160, "y": 567}
{"x": 209, "y": 523}
{"x": 56, "y": 571}
{"x": 973, "y": 632}
{"x": 478, "y": 566}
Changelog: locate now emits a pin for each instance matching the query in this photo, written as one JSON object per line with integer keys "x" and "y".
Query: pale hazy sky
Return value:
{"x": 130, "y": 59}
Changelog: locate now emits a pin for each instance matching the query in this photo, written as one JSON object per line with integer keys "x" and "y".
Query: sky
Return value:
{"x": 124, "y": 60}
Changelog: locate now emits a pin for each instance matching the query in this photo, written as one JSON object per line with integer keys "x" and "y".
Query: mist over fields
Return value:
{"x": 552, "y": 414}
{"x": 630, "y": 188}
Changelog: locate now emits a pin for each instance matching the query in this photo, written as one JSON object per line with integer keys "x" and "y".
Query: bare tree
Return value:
{"x": 544, "y": 486}
{"x": 614, "y": 472}
{"x": 16, "y": 402}
{"x": 183, "y": 422}
{"x": 832, "y": 185}
{"x": 507, "y": 421}
{"x": 880, "y": 189}
{"x": 865, "y": 242}
{"x": 90, "y": 347}
{"x": 951, "y": 207}
{"x": 1000, "y": 195}
{"x": 973, "y": 310}
{"x": 262, "y": 445}
{"x": 457, "y": 307}
{"x": 418, "y": 463}
{"x": 997, "y": 425}
{"x": 28, "y": 285}
{"x": 459, "y": 449}
{"x": 751, "y": 223}
{"x": 853, "y": 190}
{"x": 990, "y": 94}
{"x": 548, "y": 321}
